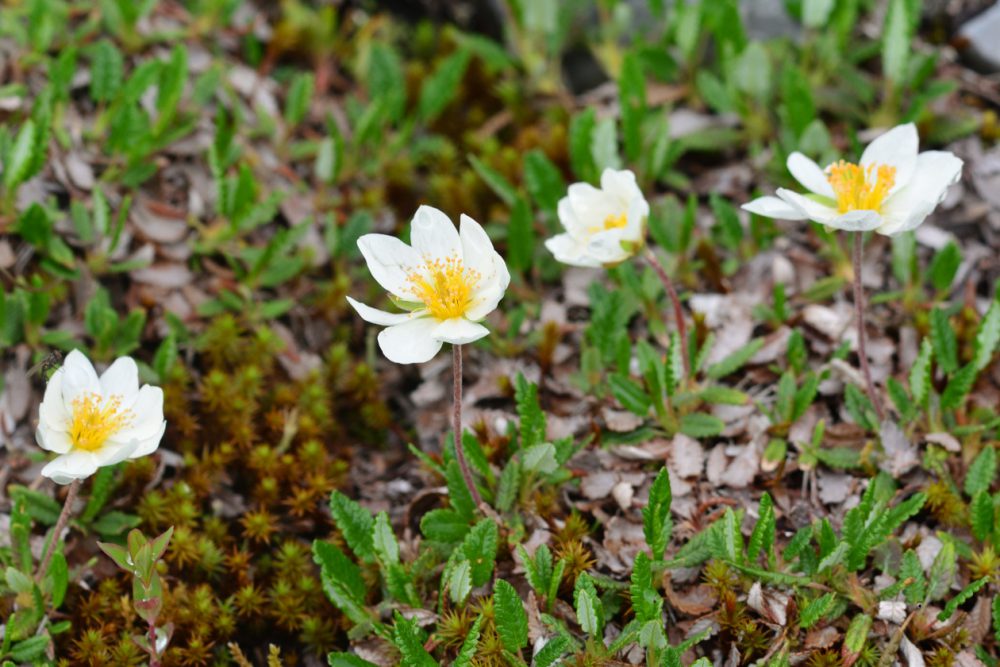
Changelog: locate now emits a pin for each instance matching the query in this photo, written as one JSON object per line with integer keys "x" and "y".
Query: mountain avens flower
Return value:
{"x": 892, "y": 189}
{"x": 448, "y": 280}
{"x": 603, "y": 226}
{"x": 92, "y": 421}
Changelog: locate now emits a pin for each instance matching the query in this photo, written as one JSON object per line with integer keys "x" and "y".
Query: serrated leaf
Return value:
{"x": 384, "y": 541}
{"x": 815, "y": 610}
{"x": 355, "y": 523}
{"x": 106, "y": 71}
{"x": 762, "y": 537}
{"x": 444, "y": 525}
{"x": 532, "y": 418}
{"x": 981, "y": 515}
{"x": 440, "y": 88}
{"x": 942, "y": 572}
{"x": 960, "y": 598}
{"x": 543, "y": 180}
{"x": 497, "y": 182}
{"x": 480, "y": 549}
{"x": 541, "y": 458}
{"x": 550, "y": 653}
{"x": 630, "y": 394}
{"x": 589, "y": 611}
{"x": 657, "y": 524}
{"x": 342, "y": 581}
{"x": 460, "y": 581}
{"x": 734, "y": 361}
{"x": 857, "y": 634}
{"x": 920, "y": 373}
{"x": 701, "y": 425}
{"x": 469, "y": 644}
{"x": 987, "y": 337}
{"x": 944, "y": 342}
{"x": 347, "y": 660}
{"x": 19, "y": 156}
{"x": 581, "y": 133}
{"x": 981, "y": 473}
{"x": 409, "y": 639}
{"x": 510, "y": 618}
{"x": 958, "y": 387}
{"x": 896, "y": 42}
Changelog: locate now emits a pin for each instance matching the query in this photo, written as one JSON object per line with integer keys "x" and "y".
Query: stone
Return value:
{"x": 982, "y": 34}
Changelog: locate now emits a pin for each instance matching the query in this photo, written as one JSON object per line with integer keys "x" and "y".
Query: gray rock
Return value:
{"x": 983, "y": 35}
{"x": 766, "y": 19}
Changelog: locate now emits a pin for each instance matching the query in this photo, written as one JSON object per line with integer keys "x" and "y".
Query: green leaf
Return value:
{"x": 511, "y": 619}
{"x": 996, "y": 618}
{"x": 115, "y": 523}
{"x": 981, "y": 515}
{"x": 657, "y": 524}
{"x": 719, "y": 395}
{"x": 409, "y": 639}
{"x": 520, "y": 236}
{"x": 958, "y": 387}
{"x": 815, "y": 610}
{"x": 630, "y": 394}
{"x": 589, "y": 611}
{"x": 734, "y": 361}
{"x": 762, "y": 537}
{"x": 701, "y": 425}
{"x": 532, "y": 419}
{"x": 896, "y": 42}
{"x": 107, "y": 69}
{"x": 856, "y": 635}
{"x": 300, "y": 92}
{"x": 543, "y": 180}
{"x": 342, "y": 581}
{"x": 173, "y": 75}
{"x": 384, "y": 541}
{"x": 904, "y": 253}
{"x": 39, "y": 506}
{"x": 752, "y": 73}
{"x": 497, "y": 182}
{"x": 347, "y": 660}
{"x": 550, "y": 653}
{"x": 469, "y": 644}
{"x": 954, "y": 603}
{"x": 458, "y": 492}
{"x": 987, "y": 337}
{"x": 943, "y": 267}
{"x": 942, "y": 572}
{"x": 981, "y": 472}
{"x": 920, "y": 374}
{"x": 20, "y": 156}
{"x": 581, "y": 136}
{"x": 540, "y": 458}
{"x": 356, "y": 524}
{"x": 444, "y": 525}
{"x": 30, "y": 649}
{"x": 480, "y": 549}
{"x": 944, "y": 341}
{"x": 441, "y": 87}
{"x": 460, "y": 582}
{"x": 604, "y": 145}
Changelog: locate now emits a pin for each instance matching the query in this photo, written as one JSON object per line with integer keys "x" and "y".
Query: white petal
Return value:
{"x": 606, "y": 247}
{"x": 148, "y": 445}
{"x": 635, "y": 222}
{"x": 459, "y": 331}
{"x": 121, "y": 379}
{"x": 376, "y": 316}
{"x": 53, "y": 412}
{"x": 411, "y": 342}
{"x": 856, "y": 221}
{"x": 485, "y": 302}
{"x": 620, "y": 185}
{"x": 936, "y": 172}
{"x": 812, "y": 209}
{"x": 810, "y": 175}
{"x": 79, "y": 377}
{"x": 53, "y": 440}
{"x": 570, "y": 220}
{"x": 390, "y": 261}
{"x": 477, "y": 250}
{"x": 433, "y": 235}
{"x": 773, "y": 207}
{"x": 568, "y": 250}
{"x": 68, "y": 467}
{"x": 147, "y": 415}
{"x": 896, "y": 148}
{"x": 592, "y": 206}
{"x": 113, "y": 453}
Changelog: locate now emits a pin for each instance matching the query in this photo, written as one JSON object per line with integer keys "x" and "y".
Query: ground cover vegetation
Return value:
{"x": 720, "y": 301}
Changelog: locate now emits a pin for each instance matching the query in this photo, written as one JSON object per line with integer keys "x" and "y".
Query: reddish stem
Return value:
{"x": 859, "y": 316}
{"x": 457, "y": 405}
{"x": 668, "y": 285}
{"x": 71, "y": 494}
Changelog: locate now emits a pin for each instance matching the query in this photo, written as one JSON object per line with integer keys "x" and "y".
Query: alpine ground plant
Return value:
{"x": 672, "y": 461}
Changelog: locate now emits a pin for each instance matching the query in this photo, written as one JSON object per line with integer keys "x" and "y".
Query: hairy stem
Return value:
{"x": 456, "y": 356}
{"x": 859, "y": 317}
{"x": 71, "y": 495}
{"x": 668, "y": 285}
{"x": 154, "y": 658}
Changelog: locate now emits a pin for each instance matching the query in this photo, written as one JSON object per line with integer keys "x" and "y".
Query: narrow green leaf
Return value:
{"x": 511, "y": 619}
{"x": 981, "y": 472}
{"x": 356, "y": 524}
{"x": 657, "y": 524}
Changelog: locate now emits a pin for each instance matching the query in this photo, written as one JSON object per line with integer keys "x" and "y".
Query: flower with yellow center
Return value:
{"x": 604, "y": 226}
{"x": 92, "y": 421}
{"x": 448, "y": 280}
{"x": 892, "y": 189}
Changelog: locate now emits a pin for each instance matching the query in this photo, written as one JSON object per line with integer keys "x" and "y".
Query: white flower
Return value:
{"x": 892, "y": 190}
{"x": 92, "y": 422}
{"x": 603, "y": 226}
{"x": 447, "y": 279}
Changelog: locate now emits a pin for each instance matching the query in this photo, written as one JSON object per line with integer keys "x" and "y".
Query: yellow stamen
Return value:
{"x": 445, "y": 287}
{"x": 95, "y": 420}
{"x": 615, "y": 221}
{"x": 861, "y": 188}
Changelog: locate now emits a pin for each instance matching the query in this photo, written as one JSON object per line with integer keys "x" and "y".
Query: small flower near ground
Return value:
{"x": 92, "y": 421}
{"x": 603, "y": 226}
{"x": 892, "y": 189}
{"x": 448, "y": 280}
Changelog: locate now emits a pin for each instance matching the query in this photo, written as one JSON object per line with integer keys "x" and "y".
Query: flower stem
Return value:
{"x": 71, "y": 495}
{"x": 668, "y": 285}
{"x": 154, "y": 658}
{"x": 859, "y": 316}
{"x": 456, "y": 356}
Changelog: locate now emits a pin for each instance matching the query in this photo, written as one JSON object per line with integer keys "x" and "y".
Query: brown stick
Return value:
{"x": 668, "y": 285}
{"x": 859, "y": 316}
{"x": 71, "y": 494}
{"x": 457, "y": 404}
